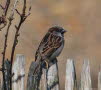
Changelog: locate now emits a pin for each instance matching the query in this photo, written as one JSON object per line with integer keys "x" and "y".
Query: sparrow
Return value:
{"x": 51, "y": 45}
{"x": 49, "y": 49}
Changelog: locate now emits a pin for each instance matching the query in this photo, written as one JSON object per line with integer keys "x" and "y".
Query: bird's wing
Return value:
{"x": 50, "y": 43}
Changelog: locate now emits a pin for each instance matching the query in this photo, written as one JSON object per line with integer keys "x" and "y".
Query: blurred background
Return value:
{"x": 82, "y": 20}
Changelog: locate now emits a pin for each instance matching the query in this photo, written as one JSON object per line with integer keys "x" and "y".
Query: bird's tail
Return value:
{"x": 37, "y": 73}
{"x": 37, "y": 68}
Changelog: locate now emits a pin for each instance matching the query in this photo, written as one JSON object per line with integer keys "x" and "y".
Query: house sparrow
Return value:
{"x": 51, "y": 45}
{"x": 49, "y": 48}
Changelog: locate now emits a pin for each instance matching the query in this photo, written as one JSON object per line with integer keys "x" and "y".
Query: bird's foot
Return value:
{"x": 47, "y": 65}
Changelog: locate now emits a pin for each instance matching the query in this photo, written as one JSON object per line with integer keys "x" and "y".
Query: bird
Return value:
{"x": 50, "y": 47}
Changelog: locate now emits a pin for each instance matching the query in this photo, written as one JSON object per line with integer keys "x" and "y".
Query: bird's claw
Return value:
{"x": 47, "y": 65}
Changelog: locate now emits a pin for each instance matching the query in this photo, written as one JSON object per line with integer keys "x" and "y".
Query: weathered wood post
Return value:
{"x": 19, "y": 72}
{"x": 33, "y": 80}
{"x": 85, "y": 77}
{"x": 53, "y": 77}
{"x": 99, "y": 79}
{"x": 0, "y": 84}
{"x": 43, "y": 81}
{"x": 49, "y": 78}
{"x": 7, "y": 74}
{"x": 70, "y": 83}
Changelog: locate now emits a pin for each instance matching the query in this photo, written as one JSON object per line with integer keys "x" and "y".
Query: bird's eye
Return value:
{"x": 54, "y": 31}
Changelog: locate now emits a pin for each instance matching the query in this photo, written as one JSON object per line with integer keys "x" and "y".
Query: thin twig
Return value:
{"x": 6, "y": 7}
{"x": 23, "y": 17}
{"x": 3, "y": 19}
{"x": 4, "y": 22}
{"x": 2, "y": 7}
{"x": 5, "y": 43}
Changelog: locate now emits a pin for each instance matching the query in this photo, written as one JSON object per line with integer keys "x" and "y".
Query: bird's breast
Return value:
{"x": 57, "y": 52}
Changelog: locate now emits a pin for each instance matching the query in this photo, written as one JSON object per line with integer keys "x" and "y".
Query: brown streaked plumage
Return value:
{"x": 50, "y": 46}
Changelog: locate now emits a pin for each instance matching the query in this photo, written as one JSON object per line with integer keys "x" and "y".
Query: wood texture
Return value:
{"x": 50, "y": 78}
{"x": 47, "y": 79}
{"x": 99, "y": 79}
{"x": 43, "y": 81}
{"x": 85, "y": 76}
{"x": 19, "y": 73}
{"x": 7, "y": 75}
{"x": 33, "y": 80}
{"x": 0, "y": 85}
{"x": 70, "y": 83}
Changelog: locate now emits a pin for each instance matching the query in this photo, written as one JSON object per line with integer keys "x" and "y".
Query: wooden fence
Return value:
{"x": 50, "y": 78}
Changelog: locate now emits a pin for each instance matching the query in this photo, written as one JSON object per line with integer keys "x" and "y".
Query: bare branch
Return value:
{"x": 29, "y": 12}
{"x": 3, "y": 19}
{"x": 3, "y": 22}
{"x": 2, "y": 7}
{"x": 14, "y": 8}
{"x": 18, "y": 12}
{"x": 3, "y": 26}
{"x": 6, "y": 37}
{"x": 23, "y": 17}
{"x": 6, "y": 7}
{"x": 3, "y": 53}
{"x": 10, "y": 22}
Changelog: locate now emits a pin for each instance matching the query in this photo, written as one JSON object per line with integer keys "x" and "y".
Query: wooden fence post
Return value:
{"x": 0, "y": 85}
{"x": 7, "y": 75}
{"x": 99, "y": 79}
{"x": 19, "y": 72}
{"x": 53, "y": 77}
{"x": 31, "y": 81}
{"x": 70, "y": 83}
{"x": 49, "y": 78}
{"x": 85, "y": 77}
{"x": 43, "y": 81}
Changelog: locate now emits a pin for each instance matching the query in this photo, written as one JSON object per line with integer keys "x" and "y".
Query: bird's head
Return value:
{"x": 57, "y": 29}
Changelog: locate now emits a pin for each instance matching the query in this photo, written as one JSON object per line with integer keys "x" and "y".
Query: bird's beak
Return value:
{"x": 64, "y": 31}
